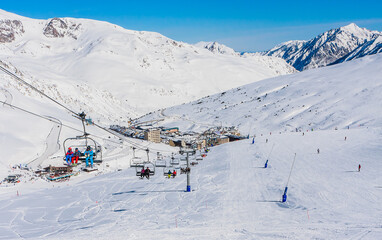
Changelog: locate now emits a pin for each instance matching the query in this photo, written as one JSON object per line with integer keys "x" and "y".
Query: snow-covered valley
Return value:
{"x": 329, "y": 119}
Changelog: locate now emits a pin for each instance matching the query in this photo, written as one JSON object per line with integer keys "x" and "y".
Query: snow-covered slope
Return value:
{"x": 233, "y": 196}
{"x": 275, "y": 63}
{"x": 145, "y": 70}
{"x": 324, "y": 49}
{"x": 342, "y": 95}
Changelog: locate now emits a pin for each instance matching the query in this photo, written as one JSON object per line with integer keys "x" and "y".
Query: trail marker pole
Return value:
{"x": 266, "y": 163}
{"x": 188, "y": 175}
{"x": 286, "y": 187}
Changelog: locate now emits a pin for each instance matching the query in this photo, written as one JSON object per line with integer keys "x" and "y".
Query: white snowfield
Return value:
{"x": 339, "y": 96}
{"x": 143, "y": 70}
{"x": 233, "y": 196}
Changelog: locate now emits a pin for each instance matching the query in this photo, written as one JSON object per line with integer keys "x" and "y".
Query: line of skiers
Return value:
{"x": 173, "y": 174}
{"x": 145, "y": 173}
{"x": 72, "y": 157}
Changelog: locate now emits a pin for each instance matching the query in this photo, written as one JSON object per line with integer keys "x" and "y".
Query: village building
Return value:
{"x": 170, "y": 130}
{"x": 152, "y": 135}
{"x": 223, "y": 139}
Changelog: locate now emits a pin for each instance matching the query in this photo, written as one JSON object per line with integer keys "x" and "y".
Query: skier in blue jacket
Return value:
{"x": 89, "y": 156}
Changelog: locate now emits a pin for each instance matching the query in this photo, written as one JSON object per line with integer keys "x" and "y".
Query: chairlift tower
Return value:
{"x": 188, "y": 152}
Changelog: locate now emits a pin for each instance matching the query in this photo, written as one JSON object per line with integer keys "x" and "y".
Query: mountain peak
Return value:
{"x": 323, "y": 49}
{"x": 352, "y": 27}
{"x": 216, "y": 47}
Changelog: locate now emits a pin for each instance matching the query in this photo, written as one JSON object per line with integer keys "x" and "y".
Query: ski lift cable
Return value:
{"x": 52, "y": 120}
{"x": 34, "y": 88}
{"x": 137, "y": 145}
{"x": 57, "y": 102}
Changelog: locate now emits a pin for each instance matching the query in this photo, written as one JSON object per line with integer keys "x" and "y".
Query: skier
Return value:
{"x": 77, "y": 154}
{"x": 345, "y": 138}
{"x": 359, "y": 167}
{"x": 174, "y": 173}
{"x": 318, "y": 151}
{"x": 69, "y": 156}
{"x": 169, "y": 173}
{"x": 266, "y": 140}
{"x": 89, "y": 156}
{"x": 142, "y": 172}
{"x": 147, "y": 173}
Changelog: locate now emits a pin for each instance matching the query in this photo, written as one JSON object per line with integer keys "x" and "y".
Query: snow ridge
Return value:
{"x": 325, "y": 49}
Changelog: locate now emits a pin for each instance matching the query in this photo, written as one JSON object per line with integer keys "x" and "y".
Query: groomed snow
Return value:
{"x": 233, "y": 196}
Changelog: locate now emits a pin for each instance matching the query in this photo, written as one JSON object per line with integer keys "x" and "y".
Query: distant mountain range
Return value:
{"x": 334, "y": 46}
{"x": 143, "y": 70}
{"x": 331, "y": 47}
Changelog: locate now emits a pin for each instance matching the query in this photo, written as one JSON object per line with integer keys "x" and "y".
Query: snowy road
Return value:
{"x": 52, "y": 145}
{"x": 8, "y": 96}
{"x": 233, "y": 196}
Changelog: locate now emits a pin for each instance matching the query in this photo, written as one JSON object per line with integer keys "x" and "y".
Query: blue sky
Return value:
{"x": 242, "y": 25}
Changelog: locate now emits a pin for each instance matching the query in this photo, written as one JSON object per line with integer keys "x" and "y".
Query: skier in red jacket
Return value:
{"x": 69, "y": 155}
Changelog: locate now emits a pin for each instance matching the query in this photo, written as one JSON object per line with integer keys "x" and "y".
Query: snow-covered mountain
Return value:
{"x": 275, "y": 63}
{"x": 339, "y": 96}
{"x": 145, "y": 70}
{"x": 324, "y": 49}
{"x": 216, "y": 47}
{"x": 368, "y": 48}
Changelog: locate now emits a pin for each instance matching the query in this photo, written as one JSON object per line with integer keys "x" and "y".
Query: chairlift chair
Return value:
{"x": 174, "y": 161}
{"x": 82, "y": 142}
{"x": 136, "y": 162}
{"x": 160, "y": 163}
{"x": 149, "y": 165}
{"x": 166, "y": 169}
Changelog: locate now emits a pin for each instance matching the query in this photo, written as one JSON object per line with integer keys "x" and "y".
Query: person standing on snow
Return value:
{"x": 89, "y": 156}
{"x": 69, "y": 156}
{"x": 359, "y": 167}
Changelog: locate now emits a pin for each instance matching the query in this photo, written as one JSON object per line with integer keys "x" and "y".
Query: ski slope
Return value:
{"x": 233, "y": 196}
{"x": 339, "y": 96}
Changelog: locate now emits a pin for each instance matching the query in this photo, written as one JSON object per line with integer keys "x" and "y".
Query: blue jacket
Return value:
{"x": 89, "y": 152}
